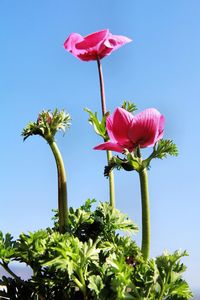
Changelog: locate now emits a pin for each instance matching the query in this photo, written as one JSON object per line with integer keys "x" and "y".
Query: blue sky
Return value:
{"x": 160, "y": 68}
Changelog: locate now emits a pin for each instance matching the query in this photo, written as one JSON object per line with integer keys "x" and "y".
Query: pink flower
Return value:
{"x": 94, "y": 46}
{"x": 128, "y": 131}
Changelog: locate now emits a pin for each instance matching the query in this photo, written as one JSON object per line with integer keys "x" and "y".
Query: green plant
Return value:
{"x": 92, "y": 261}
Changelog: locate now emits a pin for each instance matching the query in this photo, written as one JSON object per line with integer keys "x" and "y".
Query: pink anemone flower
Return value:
{"x": 94, "y": 46}
{"x": 127, "y": 131}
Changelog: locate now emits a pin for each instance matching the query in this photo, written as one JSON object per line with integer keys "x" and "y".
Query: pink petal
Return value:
{"x": 70, "y": 43}
{"x": 91, "y": 44}
{"x": 116, "y": 41}
{"x": 146, "y": 128}
{"x": 88, "y": 55}
{"x": 109, "y": 126}
{"x": 118, "y": 125}
{"x": 161, "y": 128}
{"x": 112, "y": 43}
{"x": 104, "y": 51}
{"x": 109, "y": 146}
{"x": 92, "y": 40}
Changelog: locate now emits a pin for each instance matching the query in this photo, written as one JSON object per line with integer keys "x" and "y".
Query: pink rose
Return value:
{"x": 94, "y": 46}
{"x": 128, "y": 131}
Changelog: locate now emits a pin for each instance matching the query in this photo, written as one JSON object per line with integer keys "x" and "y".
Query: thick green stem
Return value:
{"x": 111, "y": 182}
{"x": 81, "y": 285}
{"x": 145, "y": 213}
{"x": 109, "y": 153}
{"x": 62, "y": 188}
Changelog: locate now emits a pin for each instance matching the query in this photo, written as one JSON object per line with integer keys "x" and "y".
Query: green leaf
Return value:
{"x": 95, "y": 284}
{"x": 170, "y": 276}
{"x": 121, "y": 281}
{"x": 129, "y": 106}
{"x": 113, "y": 219}
{"x": 88, "y": 252}
{"x": 180, "y": 288}
{"x": 99, "y": 126}
{"x": 164, "y": 148}
{"x": 7, "y": 247}
{"x": 161, "y": 149}
{"x": 88, "y": 204}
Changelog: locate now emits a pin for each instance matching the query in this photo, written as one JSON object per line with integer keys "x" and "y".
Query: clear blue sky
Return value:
{"x": 160, "y": 68}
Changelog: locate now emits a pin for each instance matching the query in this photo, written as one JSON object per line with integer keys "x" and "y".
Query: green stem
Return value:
{"x": 145, "y": 213}
{"x": 83, "y": 283}
{"x": 111, "y": 182}
{"x": 162, "y": 292}
{"x": 109, "y": 153}
{"x": 62, "y": 188}
{"x": 81, "y": 286}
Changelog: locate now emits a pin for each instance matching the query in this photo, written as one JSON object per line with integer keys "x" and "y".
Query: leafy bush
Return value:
{"x": 92, "y": 260}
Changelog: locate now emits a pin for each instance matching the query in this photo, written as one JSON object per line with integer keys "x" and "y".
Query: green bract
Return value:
{"x": 47, "y": 124}
{"x": 133, "y": 161}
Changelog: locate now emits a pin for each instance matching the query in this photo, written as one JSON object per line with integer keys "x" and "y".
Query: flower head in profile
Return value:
{"x": 48, "y": 124}
{"x": 128, "y": 132}
{"x": 94, "y": 46}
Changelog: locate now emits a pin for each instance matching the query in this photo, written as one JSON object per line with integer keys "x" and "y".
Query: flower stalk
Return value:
{"x": 62, "y": 188}
{"x": 145, "y": 248}
{"x": 102, "y": 88}
{"x": 94, "y": 47}
{"x": 111, "y": 182}
{"x": 47, "y": 125}
{"x": 109, "y": 153}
